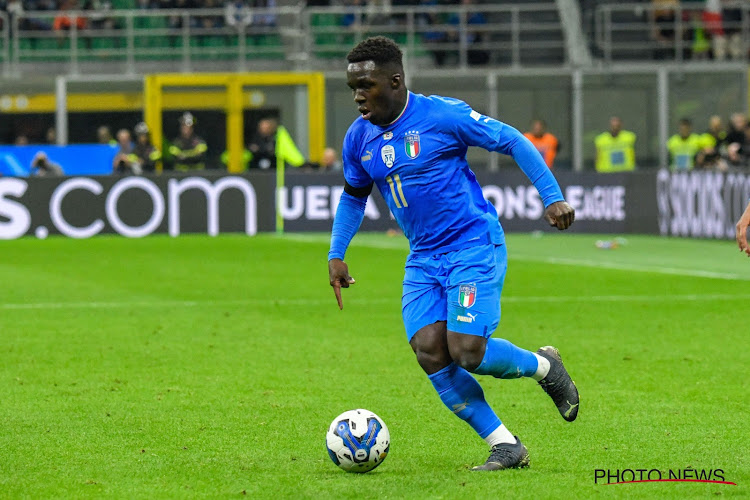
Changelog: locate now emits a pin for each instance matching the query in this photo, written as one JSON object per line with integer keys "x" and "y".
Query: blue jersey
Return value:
{"x": 418, "y": 163}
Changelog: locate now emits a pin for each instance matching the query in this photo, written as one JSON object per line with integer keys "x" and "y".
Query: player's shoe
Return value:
{"x": 506, "y": 456}
{"x": 559, "y": 385}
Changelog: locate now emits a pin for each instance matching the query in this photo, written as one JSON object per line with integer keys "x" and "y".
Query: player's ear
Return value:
{"x": 397, "y": 79}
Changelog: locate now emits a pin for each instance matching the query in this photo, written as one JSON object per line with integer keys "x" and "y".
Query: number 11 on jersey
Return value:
{"x": 394, "y": 181}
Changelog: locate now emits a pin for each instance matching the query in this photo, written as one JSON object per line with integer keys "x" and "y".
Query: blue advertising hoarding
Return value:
{"x": 74, "y": 159}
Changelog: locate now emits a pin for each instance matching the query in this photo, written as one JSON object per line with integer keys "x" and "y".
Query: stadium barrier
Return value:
{"x": 695, "y": 204}
{"x": 16, "y": 161}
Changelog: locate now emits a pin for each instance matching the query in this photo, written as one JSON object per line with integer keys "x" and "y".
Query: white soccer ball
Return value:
{"x": 358, "y": 440}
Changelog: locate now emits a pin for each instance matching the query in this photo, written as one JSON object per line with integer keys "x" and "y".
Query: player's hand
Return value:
{"x": 741, "y": 234}
{"x": 560, "y": 215}
{"x": 338, "y": 275}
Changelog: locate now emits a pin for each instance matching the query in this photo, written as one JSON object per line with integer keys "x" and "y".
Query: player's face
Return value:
{"x": 375, "y": 91}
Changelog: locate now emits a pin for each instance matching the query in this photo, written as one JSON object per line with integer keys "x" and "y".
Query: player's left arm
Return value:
{"x": 475, "y": 129}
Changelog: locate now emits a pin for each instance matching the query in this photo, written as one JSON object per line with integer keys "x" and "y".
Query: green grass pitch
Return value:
{"x": 211, "y": 367}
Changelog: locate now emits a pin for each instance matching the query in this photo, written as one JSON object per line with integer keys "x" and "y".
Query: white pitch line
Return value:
{"x": 615, "y": 266}
{"x": 361, "y": 301}
{"x": 176, "y": 303}
{"x": 618, "y": 266}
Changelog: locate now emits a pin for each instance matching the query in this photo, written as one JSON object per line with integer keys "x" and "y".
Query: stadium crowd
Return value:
{"x": 719, "y": 147}
{"x": 722, "y": 145}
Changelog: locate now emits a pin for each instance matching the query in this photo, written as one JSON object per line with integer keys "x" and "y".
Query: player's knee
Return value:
{"x": 468, "y": 360}
{"x": 431, "y": 361}
{"x": 467, "y": 351}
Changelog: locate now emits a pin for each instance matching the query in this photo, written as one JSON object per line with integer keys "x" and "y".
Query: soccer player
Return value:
{"x": 741, "y": 227}
{"x": 414, "y": 148}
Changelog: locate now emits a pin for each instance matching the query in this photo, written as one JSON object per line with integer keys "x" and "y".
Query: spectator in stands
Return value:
{"x": 272, "y": 145}
{"x": 737, "y": 127}
{"x": 424, "y": 19}
{"x": 51, "y": 135}
{"x": 146, "y": 4}
{"x": 21, "y": 140}
{"x": 700, "y": 43}
{"x": 211, "y": 22}
{"x": 684, "y": 146}
{"x": 354, "y": 18}
{"x": 104, "y": 136}
{"x": 264, "y": 19}
{"x": 379, "y": 13}
{"x": 237, "y": 13}
{"x": 732, "y": 20}
{"x": 42, "y": 166}
{"x": 188, "y": 149}
{"x": 716, "y": 135}
{"x": 64, "y": 22}
{"x": 615, "y": 149}
{"x": 145, "y": 153}
{"x": 738, "y": 153}
{"x": 714, "y": 146}
{"x": 712, "y": 20}
{"x": 175, "y": 22}
{"x": 122, "y": 164}
{"x": 101, "y": 14}
{"x": 546, "y": 143}
{"x": 472, "y": 36}
{"x": 330, "y": 161}
{"x": 663, "y": 18}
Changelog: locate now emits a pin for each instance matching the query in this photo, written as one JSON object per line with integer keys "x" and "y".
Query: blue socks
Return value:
{"x": 463, "y": 395}
{"x": 504, "y": 360}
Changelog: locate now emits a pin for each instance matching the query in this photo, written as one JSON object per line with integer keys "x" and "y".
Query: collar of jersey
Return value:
{"x": 403, "y": 111}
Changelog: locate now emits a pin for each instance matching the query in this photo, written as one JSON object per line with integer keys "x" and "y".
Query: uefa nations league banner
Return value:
{"x": 688, "y": 204}
{"x": 614, "y": 203}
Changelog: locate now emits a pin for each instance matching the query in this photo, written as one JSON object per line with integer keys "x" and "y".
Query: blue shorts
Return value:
{"x": 461, "y": 287}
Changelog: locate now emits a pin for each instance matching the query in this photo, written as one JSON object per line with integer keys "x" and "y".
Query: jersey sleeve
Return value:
{"x": 354, "y": 173}
{"x": 474, "y": 129}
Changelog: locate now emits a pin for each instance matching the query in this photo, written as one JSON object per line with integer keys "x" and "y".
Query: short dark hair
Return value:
{"x": 686, "y": 121}
{"x": 379, "y": 49}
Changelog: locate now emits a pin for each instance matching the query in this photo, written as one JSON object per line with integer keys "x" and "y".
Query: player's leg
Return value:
{"x": 462, "y": 394}
{"x": 476, "y": 282}
{"x": 424, "y": 308}
{"x": 494, "y": 356}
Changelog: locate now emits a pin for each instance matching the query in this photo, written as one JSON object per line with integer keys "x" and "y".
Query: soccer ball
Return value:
{"x": 358, "y": 441}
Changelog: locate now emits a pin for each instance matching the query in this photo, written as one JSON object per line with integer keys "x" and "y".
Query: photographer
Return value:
{"x": 124, "y": 162}
{"x": 41, "y": 166}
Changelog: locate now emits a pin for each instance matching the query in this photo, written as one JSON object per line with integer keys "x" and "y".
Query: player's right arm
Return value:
{"x": 475, "y": 129}
{"x": 348, "y": 218}
{"x": 742, "y": 226}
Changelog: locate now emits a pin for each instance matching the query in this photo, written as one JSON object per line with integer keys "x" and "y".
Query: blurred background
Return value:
{"x": 599, "y": 86}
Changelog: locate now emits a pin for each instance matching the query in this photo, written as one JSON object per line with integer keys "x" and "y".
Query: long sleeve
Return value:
{"x": 349, "y": 216}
